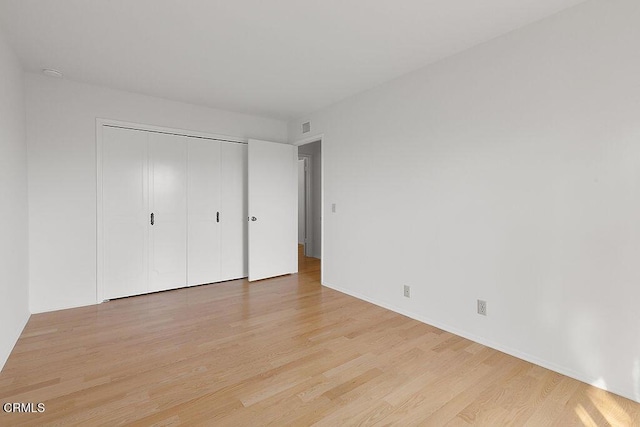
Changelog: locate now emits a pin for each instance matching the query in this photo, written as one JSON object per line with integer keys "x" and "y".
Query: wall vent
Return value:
{"x": 306, "y": 127}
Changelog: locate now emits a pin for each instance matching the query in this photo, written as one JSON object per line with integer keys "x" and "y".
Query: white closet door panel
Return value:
{"x": 168, "y": 203}
{"x": 233, "y": 218}
{"x": 273, "y": 208}
{"x": 204, "y": 206}
{"x": 125, "y": 209}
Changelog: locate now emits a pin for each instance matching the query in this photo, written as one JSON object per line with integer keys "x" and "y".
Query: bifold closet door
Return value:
{"x": 233, "y": 218}
{"x": 125, "y": 212}
{"x": 204, "y": 212}
{"x": 173, "y": 211}
{"x": 168, "y": 211}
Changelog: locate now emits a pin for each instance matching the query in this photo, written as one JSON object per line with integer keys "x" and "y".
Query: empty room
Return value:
{"x": 294, "y": 213}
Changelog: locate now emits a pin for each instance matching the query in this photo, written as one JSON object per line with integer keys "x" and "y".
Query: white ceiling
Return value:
{"x": 277, "y": 58}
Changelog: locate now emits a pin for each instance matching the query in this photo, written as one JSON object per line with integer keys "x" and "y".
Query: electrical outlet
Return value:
{"x": 482, "y": 307}
{"x": 333, "y": 207}
{"x": 407, "y": 291}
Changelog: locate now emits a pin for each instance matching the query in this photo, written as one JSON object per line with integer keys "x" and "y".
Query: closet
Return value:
{"x": 172, "y": 211}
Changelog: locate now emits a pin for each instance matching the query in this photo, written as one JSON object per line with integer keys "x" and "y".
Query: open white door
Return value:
{"x": 273, "y": 209}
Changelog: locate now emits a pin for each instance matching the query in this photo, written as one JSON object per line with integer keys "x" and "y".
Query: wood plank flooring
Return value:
{"x": 283, "y": 351}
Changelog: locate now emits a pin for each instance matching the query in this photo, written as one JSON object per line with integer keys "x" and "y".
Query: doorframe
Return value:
{"x": 308, "y": 140}
{"x": 308, "y": 198}
{"x": 100, "y": 124}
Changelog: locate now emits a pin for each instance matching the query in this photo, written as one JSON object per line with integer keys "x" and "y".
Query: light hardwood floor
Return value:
{"x": 284, "y": 351}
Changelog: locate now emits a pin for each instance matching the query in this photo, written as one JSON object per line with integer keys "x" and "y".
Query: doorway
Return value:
{"x": 310, "y": 198}
{"x": 305, "y": 212}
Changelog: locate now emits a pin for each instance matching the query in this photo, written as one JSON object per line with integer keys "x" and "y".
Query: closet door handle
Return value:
{"x": 217, "y": 216}
{"x": 152, "y": 218}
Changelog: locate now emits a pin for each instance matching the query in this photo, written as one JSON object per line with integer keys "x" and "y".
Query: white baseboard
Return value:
{"x": 497, "y": 346}
{"x": 13, "y": 339}
{"x": 58, "y": 307}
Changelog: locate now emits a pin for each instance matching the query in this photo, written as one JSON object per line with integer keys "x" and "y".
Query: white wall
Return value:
{"x": 301, "y": 202}
{"x": 315, "y": 150}
{"x": 61, "y": 129}
{"x": 14, "y": 305}
{"x": 510, "y": 173}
